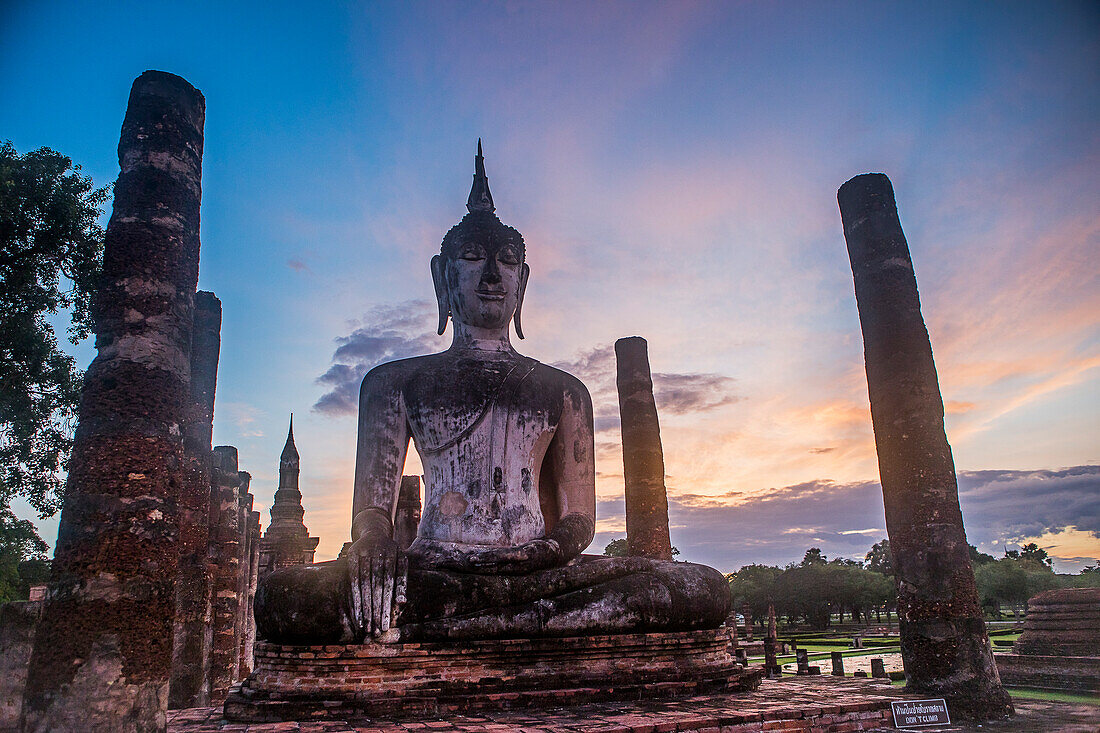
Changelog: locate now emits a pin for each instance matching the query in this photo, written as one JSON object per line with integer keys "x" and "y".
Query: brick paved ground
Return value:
{"x": 810, "y": 704}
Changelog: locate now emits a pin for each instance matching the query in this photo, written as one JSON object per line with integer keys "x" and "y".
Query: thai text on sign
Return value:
{"x": 917, "y": 713}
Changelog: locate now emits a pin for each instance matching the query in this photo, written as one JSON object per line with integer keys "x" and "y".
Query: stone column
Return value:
{"x": 226, "y": 558}
{"x": 643, "y": 460}
{"x": 407, "y": 521}
{"x": 103, "y": 652}
{"x": 771, "y": 665}
{"x": 746, "y": 611}
{"x": 190, "y": 649}
{"x": 244, "y": 519}
{"x": 838, "y": 663}
{"x": 248, "y": 656}
{"x": 943, "y": 639}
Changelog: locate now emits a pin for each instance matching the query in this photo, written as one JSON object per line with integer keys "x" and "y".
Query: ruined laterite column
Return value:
{"x": 244, "y": 572}
{"x": 643, "y": 459}
{"x": 407, "y": 520}
{"x": 191, "y": 647}
{"x": 944, "y": 644}
{"x": 104, "y": 646}
{"x": 248, "y": 647}
{"x": 771, "y": 665}
{"x": 225, "y": 555}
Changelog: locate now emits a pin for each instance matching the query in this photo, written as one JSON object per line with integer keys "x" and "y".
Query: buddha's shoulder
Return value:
{"x": 399, "y": 372}
{"x": 552, "y": 375}
{"x": 445, "y": 367}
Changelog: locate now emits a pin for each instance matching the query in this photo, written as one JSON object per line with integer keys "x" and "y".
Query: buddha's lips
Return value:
{"x": 491, "y": 294}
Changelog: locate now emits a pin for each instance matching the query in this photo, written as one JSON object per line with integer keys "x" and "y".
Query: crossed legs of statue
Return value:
{"x": 592, "y": 595}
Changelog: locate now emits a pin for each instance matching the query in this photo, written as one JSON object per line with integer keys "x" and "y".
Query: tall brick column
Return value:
{"x": 191, "y": 649}
{"x": 104, "y": 647}
{"x": 643, "y": 459}
{"x": 225, "y": 555}
{"x": 944, "y": 644}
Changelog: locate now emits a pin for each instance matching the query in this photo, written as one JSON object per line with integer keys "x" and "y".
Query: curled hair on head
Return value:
{"x": 481, "y": 226}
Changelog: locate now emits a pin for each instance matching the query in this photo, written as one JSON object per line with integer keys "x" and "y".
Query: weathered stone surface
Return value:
{"x": 943, "y": 638}
{"x": 225, "y": 555}
{"x": 194, "y": 583}
{"x": 408, "y": 680}
{"x": 643, "y": 458}
{"x": 1062, "y": 622}
{"x": 104, "y": 645}
{"x": 18, "y": 620}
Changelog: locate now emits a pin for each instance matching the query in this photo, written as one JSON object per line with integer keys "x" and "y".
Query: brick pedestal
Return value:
{"x": 407, "y": 680}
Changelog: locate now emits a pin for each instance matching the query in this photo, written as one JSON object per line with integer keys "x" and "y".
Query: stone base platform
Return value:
{"x": 400, "y": 681}
{"x": 1067, "y": 674}
{"x": 802, "y": 705}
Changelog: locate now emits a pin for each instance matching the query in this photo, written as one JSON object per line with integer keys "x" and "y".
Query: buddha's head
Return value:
{"x": 480, "y": 274}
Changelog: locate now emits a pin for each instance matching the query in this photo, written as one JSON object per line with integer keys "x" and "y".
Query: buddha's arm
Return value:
{"x": 376, "y": 567}
{"x": 570, "y": 465}
{"x": 382, "y": 442}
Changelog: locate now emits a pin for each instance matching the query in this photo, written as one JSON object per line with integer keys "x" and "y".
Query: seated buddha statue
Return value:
{"x": 507, "y": 449}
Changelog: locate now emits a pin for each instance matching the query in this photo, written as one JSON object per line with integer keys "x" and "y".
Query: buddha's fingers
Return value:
{"x": 356, "y": 592}
{"x": 400, "y": 586}
{"x": 377, "y": 582}
{"x": 387, "y": 592}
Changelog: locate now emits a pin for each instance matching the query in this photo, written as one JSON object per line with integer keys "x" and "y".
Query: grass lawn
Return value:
{"x": 1073, "y": 697}
{"x": 825, "y": 655}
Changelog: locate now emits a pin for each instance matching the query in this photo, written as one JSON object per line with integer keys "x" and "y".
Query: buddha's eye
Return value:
{"x": 508, "y": 256}
{"x": 471, "y": 252}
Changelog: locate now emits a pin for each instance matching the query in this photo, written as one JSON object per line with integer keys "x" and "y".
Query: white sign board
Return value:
{"x": 918, "y": 713}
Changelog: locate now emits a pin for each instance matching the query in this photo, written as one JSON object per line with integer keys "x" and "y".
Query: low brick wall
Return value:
{"x": 402, "y": 680}
{"x": 1073, "y": 674}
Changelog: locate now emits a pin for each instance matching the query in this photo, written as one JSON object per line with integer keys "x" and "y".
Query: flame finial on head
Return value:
{"x": 480, "y": 197}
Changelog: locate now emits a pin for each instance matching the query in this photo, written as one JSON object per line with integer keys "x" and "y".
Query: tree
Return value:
{"x": 979, "y": 558}
{"x": 813, "y": 556}
{"x": 618, "y": 548}
{"x": 1032, "y": 553}
{"x": 754, "y": 585}
{"x": 51, "y": 247}
{"x": 879, "y": 558}
{"x": 19, "y": 544}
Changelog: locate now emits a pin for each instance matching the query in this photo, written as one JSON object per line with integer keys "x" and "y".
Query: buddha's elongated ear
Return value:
{"x": 439, "y": 279}
{"x": 524, "y": 273}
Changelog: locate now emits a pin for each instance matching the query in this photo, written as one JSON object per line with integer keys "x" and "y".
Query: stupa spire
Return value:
{"x": 290, "y": 452}
{"x": 287, "y": 540}
{"x": 480, "y": 197}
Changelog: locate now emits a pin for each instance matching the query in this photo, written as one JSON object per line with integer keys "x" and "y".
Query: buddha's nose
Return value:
{"x": 491, "y": 273}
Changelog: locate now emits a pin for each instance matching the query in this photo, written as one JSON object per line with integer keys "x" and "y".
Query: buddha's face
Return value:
{"x": 484, "y": 279}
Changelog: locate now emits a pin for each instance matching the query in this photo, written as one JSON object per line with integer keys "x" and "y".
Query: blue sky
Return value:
{"x": 673, "y": 167}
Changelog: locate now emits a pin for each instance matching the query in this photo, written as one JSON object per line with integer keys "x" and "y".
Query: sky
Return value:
{"x": 673, "y": 168}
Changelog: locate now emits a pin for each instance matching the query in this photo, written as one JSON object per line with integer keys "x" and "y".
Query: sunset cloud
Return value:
{"x": 385, "y": 333}
{"x": 845, "y": 519}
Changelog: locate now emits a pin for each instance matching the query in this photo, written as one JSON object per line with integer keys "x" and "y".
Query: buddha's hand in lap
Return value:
{"x": 377, "y": 577}
{"x": 529, "y": 557}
